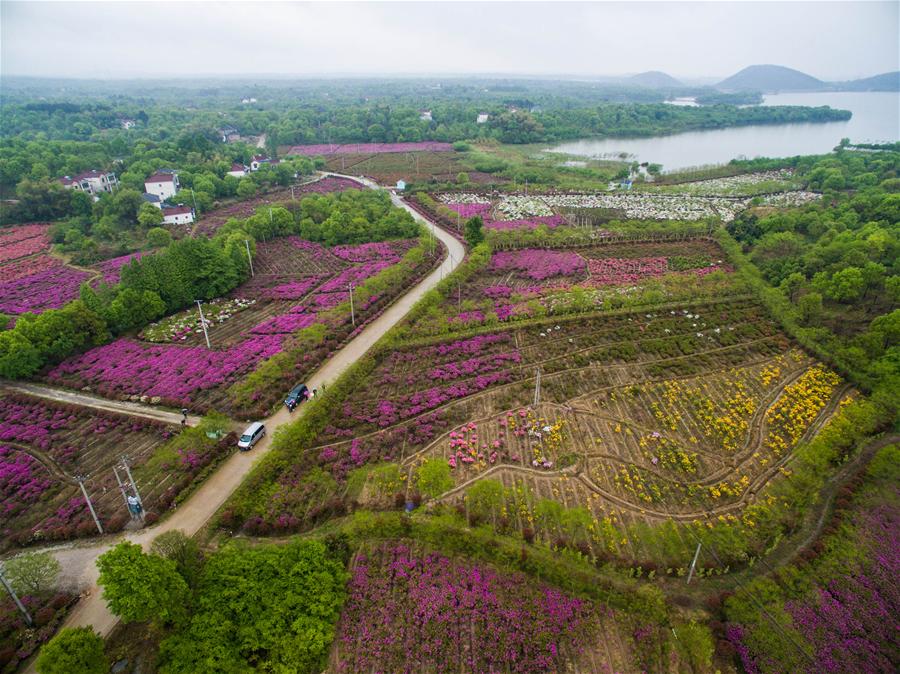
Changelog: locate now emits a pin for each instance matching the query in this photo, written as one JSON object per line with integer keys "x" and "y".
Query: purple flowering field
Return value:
{"x": 415, "y": 611}
{"x": 112, "y": 268}
{"x": 43, "y": 444}
{"x": 38, "y": 283}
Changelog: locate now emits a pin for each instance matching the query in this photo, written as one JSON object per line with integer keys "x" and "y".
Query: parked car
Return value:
{"x": 252, "y": 435}
{"x": 296, "y": 396}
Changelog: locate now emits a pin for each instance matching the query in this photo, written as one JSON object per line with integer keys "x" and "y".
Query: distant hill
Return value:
{"x": 654, "y": 79}
{"x": 771, "y": 78}
{"x": 883, "y": 82}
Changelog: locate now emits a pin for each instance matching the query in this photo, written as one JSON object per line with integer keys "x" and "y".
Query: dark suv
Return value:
{"x": 297, "y": 395}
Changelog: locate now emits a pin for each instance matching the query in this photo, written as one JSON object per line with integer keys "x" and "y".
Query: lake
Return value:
{"x": 876, "y": 117}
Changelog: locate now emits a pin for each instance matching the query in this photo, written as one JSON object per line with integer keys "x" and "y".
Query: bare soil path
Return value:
{"x": 96, "y": 402}
{"x": 79, "y": 560}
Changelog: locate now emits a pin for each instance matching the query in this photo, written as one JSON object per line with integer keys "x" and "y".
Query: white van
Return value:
{"x": 251, "y": 436}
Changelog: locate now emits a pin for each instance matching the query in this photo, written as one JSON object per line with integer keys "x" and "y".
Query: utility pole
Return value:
{"x": 15, "y": 598}
{"x": 122, "y": 489}
{"x": 352, "y": 312}
{"x": 249, "y": 256}
{"x": 537, "y": 387}
{"x": 292, "y": 193}
{"x": 270, "y": 215}
{"x": 694, "y": 563}
{"x": 458, "y": 295}
{"x": 194, "y": 199}
{"x": 203, "y": 324}
{"x": 133, "y": 483}
{"x": 81, "y": 479}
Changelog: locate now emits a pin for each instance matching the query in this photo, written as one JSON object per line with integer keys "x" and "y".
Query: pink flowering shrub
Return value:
{"x": 17, "y": 242}
{"x": 38, "y": 283}
{"x": 175, "y": 373}
{"x": 111, "y": 269}
{"x": 467, "y": 211}
{"x": 415, "y": 611}
{"x": 23, "y": 480}
{"x": 615, "y": 271}
{"x": 369, "y": 252}
{"x": 538, "y": 265}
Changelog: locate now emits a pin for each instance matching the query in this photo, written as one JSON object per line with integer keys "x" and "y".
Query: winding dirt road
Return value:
{"x": 79, "y": 560}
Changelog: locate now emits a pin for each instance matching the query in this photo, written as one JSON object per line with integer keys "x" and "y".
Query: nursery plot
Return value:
{"x": 44, "y": 445}
{"x": 171, "y": 364}
{"x": 23, "y": 240}
{"x": 442, "y": 614}
{"x": 388, "y": 168}
{"x": 38, "y": 283}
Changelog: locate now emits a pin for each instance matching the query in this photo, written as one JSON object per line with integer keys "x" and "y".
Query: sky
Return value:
{"x": 829, "y": 40}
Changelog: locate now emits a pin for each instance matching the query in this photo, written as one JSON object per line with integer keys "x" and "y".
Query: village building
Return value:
{"x": 178, "y": 215}
{"x": 92, "y": 182}
{"x": 163, "y": 183}
{"x": 238, "y": 170}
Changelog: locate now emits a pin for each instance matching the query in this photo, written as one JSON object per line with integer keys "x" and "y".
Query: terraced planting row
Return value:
{"x": 300, "y": 282}
{"x": 45, "y": 446}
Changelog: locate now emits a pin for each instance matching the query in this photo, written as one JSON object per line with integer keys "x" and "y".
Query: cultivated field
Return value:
{"x": 44, "y": 446}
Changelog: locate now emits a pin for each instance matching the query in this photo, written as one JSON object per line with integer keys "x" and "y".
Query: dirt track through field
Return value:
{"x": 78, "y": 560}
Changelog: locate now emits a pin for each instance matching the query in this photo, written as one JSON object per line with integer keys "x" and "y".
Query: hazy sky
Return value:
{"x": 830, "y": 40}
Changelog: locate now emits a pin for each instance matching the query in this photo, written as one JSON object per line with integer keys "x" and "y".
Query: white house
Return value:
{"x": 163, "y": 184}
{"x": 425, "y": 115}
{"x": 238, "y": 170}
{"x": 401, "y": 185}
{"x": 260, "y": 159}
{"x": 483, "y": 117}
{"x": 92, "y": 182}
{"x": 127, "y": 123}
{"x": 247, "y": 101}
{"x": 178, "y": 215}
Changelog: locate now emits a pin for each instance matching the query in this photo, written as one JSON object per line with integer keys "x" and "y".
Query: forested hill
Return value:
{"x": 770, "y": 78}
{"x": 655, "y": 79}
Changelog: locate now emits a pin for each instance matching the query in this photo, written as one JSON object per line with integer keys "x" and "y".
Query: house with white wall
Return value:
{"x": 178, "y": 215}
{"x": 238, "y": 170}
{"x": 92, "y": 182}
{"x": 260, "y": 159}
{"x": 163, "y": 184}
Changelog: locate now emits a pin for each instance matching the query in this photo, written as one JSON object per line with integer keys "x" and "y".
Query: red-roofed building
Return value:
{"x": 260, "y": 159}
{"x": 178, "y": 215}
{"x": 238, "y": 170}
{"x": 92, "y": 182}
{"x": 163, "y": 184}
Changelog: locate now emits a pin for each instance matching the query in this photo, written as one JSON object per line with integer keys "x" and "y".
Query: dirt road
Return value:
{"x": 78, "y": 560}
{"x": 97, "y": 403}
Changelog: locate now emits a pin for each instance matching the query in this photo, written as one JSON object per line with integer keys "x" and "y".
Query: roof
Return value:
{"x": 177, "y": 210}
{"x": 252, "y": 428}
{"x": 160, "y": 177}
{"x": 261, "y": 158}
{"x": 238, "y": 167}
{"x": 85, "y": 175}
{"x": 151, "y": 198}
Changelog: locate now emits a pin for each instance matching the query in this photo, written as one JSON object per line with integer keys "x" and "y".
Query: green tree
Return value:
{"x": 32, "y": 573}
{"x": 810, "y": 307}
{"x": 433, "y": 478}
{"x": 267, "y": 608}
{"x": 474, "y": 231}
{"x": 142, "y": 588}
{"x": 182, "y": 550}
{"x": 149, "y": 216}
{"x": 485, "y": 498}
{"x": 695, "y": 645}
{"x": 75, "y": 650}
{"x": 158, "y": 237}
{"x": 246, "y": 188}
{"x": 19, "y": 358}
